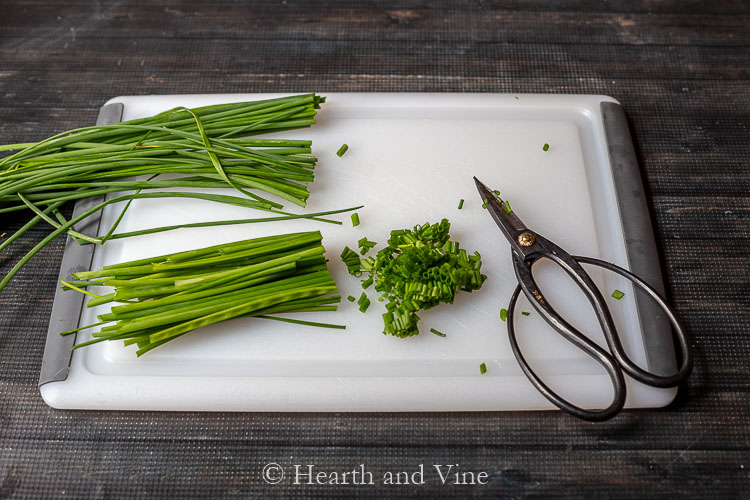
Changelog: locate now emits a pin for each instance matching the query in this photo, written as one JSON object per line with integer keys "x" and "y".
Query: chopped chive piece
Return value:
{"x": 363, "y": 302}
{"x": 351, "y": 298}
{"x": 484, "y": 204}
{"x": 526, "y": 313}
{"x": 503, "y": 314}
{"x": 355, "y": 219}
{"x": 365, "y": 245}
{"x": 461, "y": 204}
{"x": 545, "y": 147}
{"x": 483, "y": 368}
{"x": 342, "y": 150}
{"x": 439, "y": 334}
{"x": 352, "y": 261}
{"x": 507, "y": 206}
{"x": 618, "y": 294}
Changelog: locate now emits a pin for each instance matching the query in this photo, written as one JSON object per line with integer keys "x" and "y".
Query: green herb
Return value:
{"x": 201, "y": 148}
{"x": 545, "y": 147}
{"x": 526, "y": 313}
{"x": 483, "y": 368}
{"x": 355, "y": 219}
{"x": 342, "y": 150}
{"x": 168, "y": 296}
{"x": 419, "y": 269}
{"x": 503, "y": 314}
{"x": 439, "y": 334}
{"x": 461, "y": 204}
{"x": 352, "y": 261}
{"x": 618, "y": 294}
{"x": 351, "y": 298}
{"x": 363, "y": 302}
{"x": 365, "y": 245}
{"x": 484, "y": 204}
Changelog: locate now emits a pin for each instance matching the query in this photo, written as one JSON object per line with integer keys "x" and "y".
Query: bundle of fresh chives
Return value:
{"x": 165, "y": 297}
{"x": 202, "y": 148}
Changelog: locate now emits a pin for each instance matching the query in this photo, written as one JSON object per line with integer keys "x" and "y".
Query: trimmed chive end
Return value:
{"x": 503, "y": 314}
{"x": 439, "y": 334}
{"x": 342, "y": 150}
{"x": 618, "y": 294}
{"x": 351, "y": 298}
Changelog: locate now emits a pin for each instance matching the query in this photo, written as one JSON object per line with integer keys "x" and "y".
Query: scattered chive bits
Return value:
{"x": 365, "y": 245}
{"x": 526, "y": 313}
{"x": 439, "y": 334}
{"x": 545, "y": 147}
{"x": 504, "y": 314}
{"x": 342, "y": 150}
{"x": 352, "y": 261}
{"x": 351, "y": 298}
{"x": 618, "y": 294}
{"x": 483, "y": 368}
{"x": 419, "y": 269}
{"x": 165, "y": 297}
{"x": 363, "y": 302}
{"x": 355, "y": 219}
{"x": 484, "y": 204}
{"x": 461, "y": 204}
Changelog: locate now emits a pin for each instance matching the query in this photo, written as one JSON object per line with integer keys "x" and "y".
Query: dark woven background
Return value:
{"x": 681, "y": 70}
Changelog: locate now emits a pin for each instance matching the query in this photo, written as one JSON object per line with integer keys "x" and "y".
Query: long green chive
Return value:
{"x": 177, "y": 293}
{"x": 342, "y": 150}
{"x": 355, "y": 219}
{"x": 439, "y": 334}
{"x": 503, "y": 314}
{"x": 483, "y": 368}
{"x": 618, "y": 294}
{"x": 419, "y": 269}
{"x": 202, "y": 145}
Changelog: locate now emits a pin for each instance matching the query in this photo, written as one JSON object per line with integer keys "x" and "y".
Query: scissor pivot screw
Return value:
{"x": 526, "y": 239}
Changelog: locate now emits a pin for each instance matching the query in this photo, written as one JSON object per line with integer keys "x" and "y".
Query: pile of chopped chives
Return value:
{"x": 165, "y": 297}
{"x": 205, "y": 147}
{"x": 419, "y": 269}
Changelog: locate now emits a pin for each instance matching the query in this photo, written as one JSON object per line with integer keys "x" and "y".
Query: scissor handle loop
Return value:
{"x": 683, "y": 343}
{"x": 613, "y": 364}
{"x": 593, "y": 350}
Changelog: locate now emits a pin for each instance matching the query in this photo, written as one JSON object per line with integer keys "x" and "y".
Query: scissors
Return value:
{"x": 527, "y": 248}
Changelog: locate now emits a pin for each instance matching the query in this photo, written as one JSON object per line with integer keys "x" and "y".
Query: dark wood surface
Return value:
{"x": 681, "y": 71}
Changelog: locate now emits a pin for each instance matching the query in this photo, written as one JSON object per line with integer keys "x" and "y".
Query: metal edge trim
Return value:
{"x": 67, "y": 307}
{"x": 640, "y": 244}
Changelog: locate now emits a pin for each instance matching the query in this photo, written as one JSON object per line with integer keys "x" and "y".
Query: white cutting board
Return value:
{"x": 411, "y": 159}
